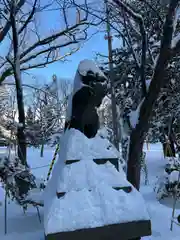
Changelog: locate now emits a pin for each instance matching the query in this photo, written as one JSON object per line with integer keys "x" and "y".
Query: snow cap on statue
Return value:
{"x": 85, "y": 66}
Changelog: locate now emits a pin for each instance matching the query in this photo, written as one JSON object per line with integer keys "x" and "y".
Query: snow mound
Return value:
{"x": 79, "y": 146}
{"x": 93, "y": 174}
{"x": 99, "y": 207}
{"x": 76, "y": 146}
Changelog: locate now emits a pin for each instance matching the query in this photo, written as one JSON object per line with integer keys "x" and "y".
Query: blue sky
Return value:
{"x": 96, "y": 44}
{"x": 52, "y": 20}
{"x": 68, "y": 68}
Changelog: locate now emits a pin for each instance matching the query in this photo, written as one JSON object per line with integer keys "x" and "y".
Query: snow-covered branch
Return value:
{"x": 137, "y": 18}
{"x": 176, "y": 45}
{"x": 158, "y": 81}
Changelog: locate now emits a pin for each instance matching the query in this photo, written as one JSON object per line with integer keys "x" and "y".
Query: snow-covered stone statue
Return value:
{"x": 88, "y": 195}
{"x": 89, "y": 91}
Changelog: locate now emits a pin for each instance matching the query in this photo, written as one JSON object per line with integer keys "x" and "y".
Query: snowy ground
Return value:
{"x": 28, "y": 227}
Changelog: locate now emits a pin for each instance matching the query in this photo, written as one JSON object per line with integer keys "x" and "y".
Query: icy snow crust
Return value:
{"x": 90, "y": 201}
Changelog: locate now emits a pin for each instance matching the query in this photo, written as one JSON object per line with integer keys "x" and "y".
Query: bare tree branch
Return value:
{"x": 43, "y": 64}
{"x": 48, "y": 45}
{"x": 50, "y": 49}
{"x": 103, "y": 19}
{"x": 154, "y": 10}
{"x": 131, "y": 45}
{"x": 50, "y": 39}
{"x": 7, "y": 26}
{"x": 29, "y": 17}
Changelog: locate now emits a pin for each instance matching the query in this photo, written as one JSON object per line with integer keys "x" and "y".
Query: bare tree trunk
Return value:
{"x": 135, "y": 151}
{"x": 17, "y": 75}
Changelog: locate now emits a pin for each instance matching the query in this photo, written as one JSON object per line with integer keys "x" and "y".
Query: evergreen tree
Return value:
{"x": 29, "y": 117}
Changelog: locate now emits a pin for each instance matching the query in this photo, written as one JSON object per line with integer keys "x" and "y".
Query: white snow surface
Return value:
{"x": 148, "y": 82}
{"x": 22, "y": 226}
{"x": 99, "y": 207}
{"x": 75, "y": 146}
{"x": 90, "y": 200}
{"x": 35, "y": 195}
{"x": 134, "y": 115}
{"x": 177, "y": 15}
{"x": 89, "y": 65}
{"x": 175, "y": 40}
{"x": 174, "y": 176}
{"x": 81, "y": 147}
{"x": 93, "y": 174}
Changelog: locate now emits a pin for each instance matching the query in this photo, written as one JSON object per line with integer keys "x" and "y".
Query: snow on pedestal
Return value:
{"x": 90, "y": 199}
{"x": 83, "y": 147}
{"x": 101, "y": 206}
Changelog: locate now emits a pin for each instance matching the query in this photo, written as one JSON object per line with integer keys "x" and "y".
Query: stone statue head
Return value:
{"x": 90, "y": 87}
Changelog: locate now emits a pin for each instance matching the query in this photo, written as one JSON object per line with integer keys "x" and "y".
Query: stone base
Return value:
{"x": 123, "y": 231}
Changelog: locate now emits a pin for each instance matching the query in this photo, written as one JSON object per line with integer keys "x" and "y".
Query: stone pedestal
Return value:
{"x": 124, "y": 231}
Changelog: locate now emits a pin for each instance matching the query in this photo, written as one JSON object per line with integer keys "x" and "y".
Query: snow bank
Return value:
{"x": 99, "y": 207}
